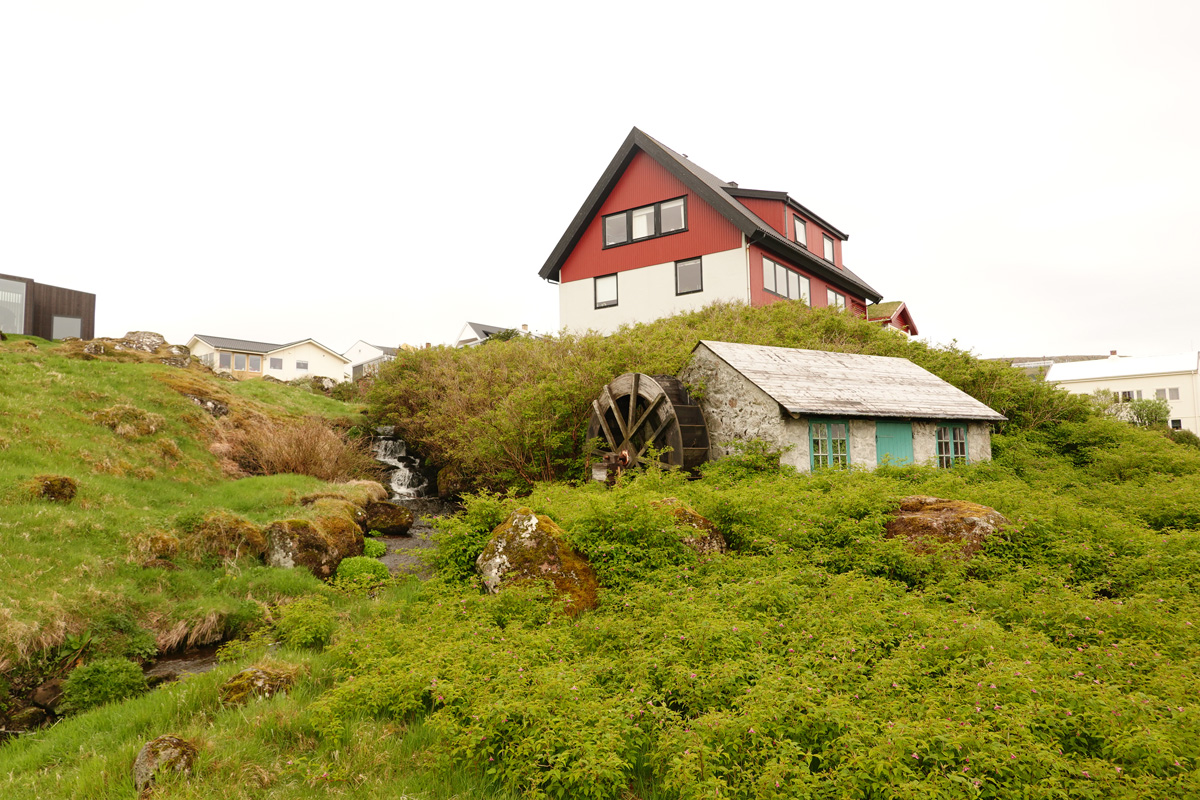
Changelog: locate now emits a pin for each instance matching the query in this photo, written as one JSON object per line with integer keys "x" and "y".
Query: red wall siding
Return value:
{"x": 817, "y": 288}
{"x": 816, "y": 242}
{"x": 772, "y": 212}
{"x": 645, "y": 181}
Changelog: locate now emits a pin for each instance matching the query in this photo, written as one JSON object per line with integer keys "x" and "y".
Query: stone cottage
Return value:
{"x": 835, "y": 409}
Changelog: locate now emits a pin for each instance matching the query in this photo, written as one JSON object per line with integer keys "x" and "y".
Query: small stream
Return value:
{"x": 405, "y": 479}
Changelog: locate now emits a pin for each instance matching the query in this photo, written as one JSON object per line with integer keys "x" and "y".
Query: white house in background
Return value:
{"x": 1171, "y": 378}
{"x": 246, "y": 359}
{"x": 365, "y": 358}
{"x": 474, "y": 333}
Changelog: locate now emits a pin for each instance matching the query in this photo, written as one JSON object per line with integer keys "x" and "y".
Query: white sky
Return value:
{"x": 1024, "y": 174}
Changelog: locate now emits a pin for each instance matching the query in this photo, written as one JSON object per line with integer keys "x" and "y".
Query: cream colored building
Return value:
{"x": 1171, "y": 378}
{"x": 243, "y": 358}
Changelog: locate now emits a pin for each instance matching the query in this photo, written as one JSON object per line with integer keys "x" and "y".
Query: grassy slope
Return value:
{"x": 817, "y": 659}
{"x": 70, "y": 569}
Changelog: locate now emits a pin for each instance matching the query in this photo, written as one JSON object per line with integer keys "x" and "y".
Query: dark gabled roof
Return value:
{"x": 242, "y": 345}
{"x": 248, "y": 346}
{"x": 819, "y": 383}
{"x": 762, "y": 194}
{"x": 717, "y": 193}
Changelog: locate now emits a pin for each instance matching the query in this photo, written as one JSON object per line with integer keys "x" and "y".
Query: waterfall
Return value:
{"x": 404, "y": 477}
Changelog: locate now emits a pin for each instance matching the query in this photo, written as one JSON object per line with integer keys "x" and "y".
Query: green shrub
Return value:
{"x": 357, "y": 566}
{"x": 373, "y": 548}
{"x": 106, "y": 680}
{"x": 1184, "y": 437}
{"x": 307, "y": 623}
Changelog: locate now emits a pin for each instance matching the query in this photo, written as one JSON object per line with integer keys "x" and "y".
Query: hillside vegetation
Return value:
{"x": 817, "y": 658}
{"x": 126, "y": 567}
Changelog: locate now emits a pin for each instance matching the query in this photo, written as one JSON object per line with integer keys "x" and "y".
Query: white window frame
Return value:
{"x": 302, "y": 366}
{"x": 803, "y": 286}
{"x": 829, "y": 251}
{"x": 653, "y": 211}
{"x": 835, "y": 299}
{"x": 687, "y": 262}
{"x": 800, "y": 231}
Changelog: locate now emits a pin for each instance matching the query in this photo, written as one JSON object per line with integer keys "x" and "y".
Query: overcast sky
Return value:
{"x": 1025, "y": 175}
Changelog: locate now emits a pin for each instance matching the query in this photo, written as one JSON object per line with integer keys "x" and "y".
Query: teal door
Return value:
{"x": 893, "y": 442}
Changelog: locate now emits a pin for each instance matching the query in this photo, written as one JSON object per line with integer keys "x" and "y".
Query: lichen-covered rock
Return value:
{"x": 925, "y": 521}
{"x": 319, "y": 545}
{"x": 164, "y": 754}
{"x": 144, "y": 341}
{"x": 55, "y": 488}
{"x": 695, "y": 531}
{"x": 529, "y": 546}
{"x": 256, "y": 682}
{"x": 389, "y": 519}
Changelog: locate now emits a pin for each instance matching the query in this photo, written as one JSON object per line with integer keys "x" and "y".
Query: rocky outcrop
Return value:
{"x": 694, "y": 531}
{"x": 164, "y": 754}
{"x": 134, "y": 346}
{"x": 530, "y": 546}
{"x": 255, "y": 683}
{"x": 389, "y": 519}
{"x": 55, "y": 488}
{"x": 925, "y": 522}
{"x": 214, "y": 407}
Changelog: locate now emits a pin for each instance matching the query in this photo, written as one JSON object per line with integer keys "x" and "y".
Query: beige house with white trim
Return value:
{"x": 244, "y": 359}
{"x": 1174, "y": 378}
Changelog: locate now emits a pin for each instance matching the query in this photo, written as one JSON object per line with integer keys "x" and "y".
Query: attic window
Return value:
{"x": 828, "y": 249}
{"x": 800, "y": 230}
{"x": 645, "y": 222}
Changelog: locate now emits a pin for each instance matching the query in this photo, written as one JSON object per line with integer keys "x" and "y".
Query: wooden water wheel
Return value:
{"x": 636, "y": 412}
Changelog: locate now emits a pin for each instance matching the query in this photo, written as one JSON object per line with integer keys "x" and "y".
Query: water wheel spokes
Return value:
{"x": 637, "y": 413}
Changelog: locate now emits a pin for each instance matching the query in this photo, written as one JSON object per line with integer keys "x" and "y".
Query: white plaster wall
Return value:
{"x": 1186, "y": 408}
{"x": 320, "y": 362}
{"x": 648, "y": 293}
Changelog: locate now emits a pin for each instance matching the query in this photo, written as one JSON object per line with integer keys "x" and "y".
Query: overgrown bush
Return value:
{"x": 306, "y": 623}
{"x": 373, "y": 548}
{"x": 516, "y": 412}
{"x": 357, "y": 566}
{"x": 106, "y": 680}
{"x": 309, "y": 446}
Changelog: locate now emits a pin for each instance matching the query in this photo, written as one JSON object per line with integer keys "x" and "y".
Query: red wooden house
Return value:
{"x": 658, "y": 235}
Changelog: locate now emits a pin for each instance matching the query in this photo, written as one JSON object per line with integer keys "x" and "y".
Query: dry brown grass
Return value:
{"x": 262, "y": 446}
{"x": 128, "y": 421}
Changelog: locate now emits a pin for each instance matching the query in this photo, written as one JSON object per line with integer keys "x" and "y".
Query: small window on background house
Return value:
{"x": 836, "y": 300}
{"x": 65, "y": 327}
{"x": 951, "y": 445}
{"x": 606, "y": 291}
{"x": 1173, "y": 394}
{"x": 1160, "y": 394}
{"x": 674, "y": 217}
{"x": 616, "y": 229}
{"x": 256, "y": 363}
{"x": 800, "y": 231}
{"x": 828, "y": 249}
{"x": 276, "y": 363}
{"x": 302, "y": 366}
{"x": 1126, "y": 397}
{"x": 689, "y": 276}
{"x": 224, "y": 360}
{"x": 1176, "y": 424}
{"x": 1139, "y": 394}
{"x": 239, "y": 362}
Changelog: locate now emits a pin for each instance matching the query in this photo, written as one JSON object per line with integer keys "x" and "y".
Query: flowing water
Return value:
{"x": 404, "y": 477}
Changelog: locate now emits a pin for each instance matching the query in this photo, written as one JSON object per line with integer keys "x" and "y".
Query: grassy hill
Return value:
{"x": 818, "y": 658}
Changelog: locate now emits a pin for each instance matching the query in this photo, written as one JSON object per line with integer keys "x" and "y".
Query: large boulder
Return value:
{"x": 694, "y": 531}
{"x": 143, "y": 341}
{"x": 164, "y": 754}
{"x": 530, "y": 546}
{"x": 317, "y": 545}
{"x": 389, "y": 519}
{"x": 924, "y": 522}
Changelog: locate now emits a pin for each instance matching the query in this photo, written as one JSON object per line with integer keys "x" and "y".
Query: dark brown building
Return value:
{"x": 51, "y": 312}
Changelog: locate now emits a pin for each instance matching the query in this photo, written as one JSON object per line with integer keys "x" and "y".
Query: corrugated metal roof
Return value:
{"x": 242, "y": 345}
{"x": 1117, "y": 367}
{"x": 814, "y": 382}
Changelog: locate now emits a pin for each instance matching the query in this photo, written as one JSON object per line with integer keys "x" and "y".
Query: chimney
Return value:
{"x": 733, "y": 184}
{"x": 525, "y": 329}
{"x": 1112, "y": 353}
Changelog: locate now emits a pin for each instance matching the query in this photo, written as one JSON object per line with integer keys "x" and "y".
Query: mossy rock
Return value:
{"x": 225, "y": 535}
{"x": 28, "y": 719}
{"x": 164, "y": 754}
{"x": 529, "y": 547}
{"x": 927, "y": 522}
{"x": 254, "y": 683}
{"x": 55, "y": 488}
{"x": 318, "y": 545}
{"x": 389, "y": 519}
{"x": 695, "y": 531}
